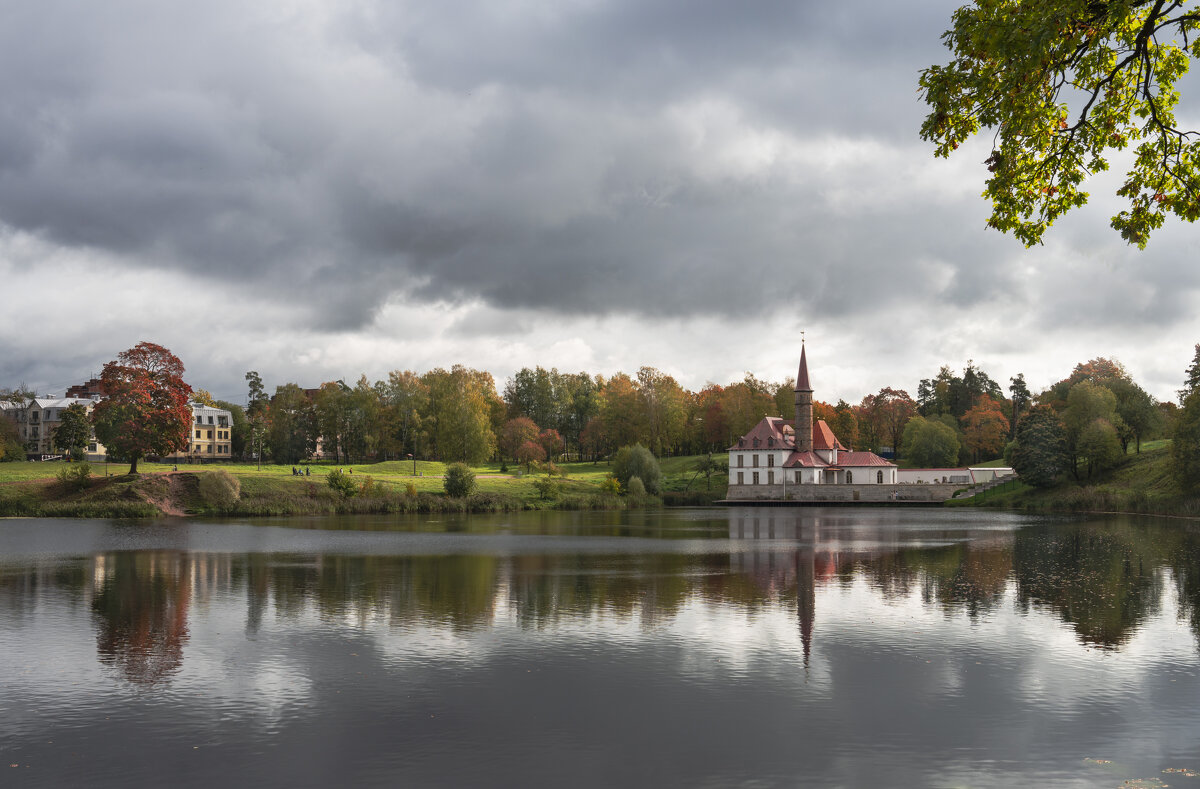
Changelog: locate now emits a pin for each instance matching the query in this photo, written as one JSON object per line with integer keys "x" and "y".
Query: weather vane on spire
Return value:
{"x": 802, "y": 336}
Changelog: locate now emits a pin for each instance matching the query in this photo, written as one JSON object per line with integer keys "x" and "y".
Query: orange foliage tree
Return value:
{"x": 146, "y": 409}
{"x": 984, "y": 429}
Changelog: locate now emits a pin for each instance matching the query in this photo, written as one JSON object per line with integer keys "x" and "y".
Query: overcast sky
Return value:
{"x": 317, "y": 190}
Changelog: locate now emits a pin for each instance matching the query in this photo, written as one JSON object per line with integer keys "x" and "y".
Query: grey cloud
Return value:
{"x": 464, "y": 151}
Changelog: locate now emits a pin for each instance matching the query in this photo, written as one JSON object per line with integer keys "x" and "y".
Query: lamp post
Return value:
{"x": 414, "y": 460}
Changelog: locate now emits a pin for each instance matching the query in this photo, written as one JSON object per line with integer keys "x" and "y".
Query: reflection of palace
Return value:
{"x": 786, "y": 552}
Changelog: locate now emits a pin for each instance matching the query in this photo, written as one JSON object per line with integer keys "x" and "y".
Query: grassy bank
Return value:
{"x": 33, "y": 490}
{"x": 1142, "y": 484}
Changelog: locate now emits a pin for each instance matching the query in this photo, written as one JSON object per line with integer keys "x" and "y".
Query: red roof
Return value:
{"x": 823, "y": 437}
{"x": 769, "y": 433}
{"x": 858, "y": 459}
{"x": 802, "y": 384}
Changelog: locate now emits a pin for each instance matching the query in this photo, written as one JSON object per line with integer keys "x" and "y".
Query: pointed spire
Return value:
{"x": 802, "y": 384}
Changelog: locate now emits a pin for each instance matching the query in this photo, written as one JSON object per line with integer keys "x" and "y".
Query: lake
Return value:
{"x": 752, "y": 647}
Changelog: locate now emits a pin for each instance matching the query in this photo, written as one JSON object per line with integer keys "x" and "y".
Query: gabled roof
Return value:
{"x": 770, "y": 434}
{"x": 859, "y": 459}
{"x": 804, "y": 460}
{"x": 823, "y": 437}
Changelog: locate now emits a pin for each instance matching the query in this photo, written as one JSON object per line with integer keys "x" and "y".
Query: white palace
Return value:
{"x": 777, "y": 456}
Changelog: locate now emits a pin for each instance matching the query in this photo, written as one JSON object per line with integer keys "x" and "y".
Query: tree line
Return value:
{"x": 459, "y": 414}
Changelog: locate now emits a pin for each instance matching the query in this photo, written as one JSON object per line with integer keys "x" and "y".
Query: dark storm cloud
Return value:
{"x": 587, "y": 158}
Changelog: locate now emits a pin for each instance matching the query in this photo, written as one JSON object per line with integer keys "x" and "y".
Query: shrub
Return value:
{"x": 637, "y": 461}
{"x": 11, "y": 451}
{"x": 635, "y": 487}
{"x": 341, "y": 482}
{"x": 460, "y": 481}
{"x": 546, "y": 488}
{"x": 220, "y": 489}
{"x": 410, "y": 490}
{"x": 76, "y": 476}
{"x": 366, "y": 487}
{"x": 611, "y": 485}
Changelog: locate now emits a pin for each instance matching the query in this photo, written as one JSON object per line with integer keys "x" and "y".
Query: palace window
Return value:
{"x": 199, "y": 420}
{"x": 770, "y": 461}
{"x": 797, "y": 476}
{"x": 754, "y": 461}
{"x": 197, "y": 434}
{"x": 756, "y": 443}
{"x": 741, "y": 460}
{"x": 849, "y": 477}
{"x": 755, "y": 478}
{"x": 210, "y": 435}
{"x": 741, "y": 478}
{"x": 770, "y": 442}
{"x": 770, "y": 477}
{"x": 879, "y": 477}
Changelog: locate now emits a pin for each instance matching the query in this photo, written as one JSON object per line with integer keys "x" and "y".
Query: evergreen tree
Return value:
{"x": 1192, "y": 382}
{"x": 1185, "y": 448}
{"x": 1040, "y": 454}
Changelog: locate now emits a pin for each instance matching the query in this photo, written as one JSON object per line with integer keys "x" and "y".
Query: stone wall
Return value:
{"x": 841, "y": 493}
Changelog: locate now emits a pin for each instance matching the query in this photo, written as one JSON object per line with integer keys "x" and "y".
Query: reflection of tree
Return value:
{"x": 141, "y": 614}
{"x": 1099, "y": 577}
{"x": 1185, "y": 564}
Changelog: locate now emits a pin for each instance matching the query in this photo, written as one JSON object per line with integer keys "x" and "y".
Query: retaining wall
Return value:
{"x": 841, "y": 493}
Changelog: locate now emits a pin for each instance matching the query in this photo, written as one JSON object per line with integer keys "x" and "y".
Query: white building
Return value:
{"x": 776, "y": 456}
{"x": 38, "y": 419}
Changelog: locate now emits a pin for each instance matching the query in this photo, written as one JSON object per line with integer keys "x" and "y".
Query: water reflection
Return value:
{"x": 141, "y": 612}
{"x": 742, "y": 646}
{"x": 1104, "y": 579}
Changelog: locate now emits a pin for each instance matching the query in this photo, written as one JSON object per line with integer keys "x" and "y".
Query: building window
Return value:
{"x": 741, "y": 460}
{"x": 770, "y": 461}
{"x": 210, "y": 435}
{"x": 741, "y": 478}
{"x": 741, "y": 442}
{"x": 754, "y": 460}
{"x": 770, "y": 477}
{"x": 210, "y": 449}
{"x": 756, "y": 442}
{"x": 222, "y": 421}
{"x": 770, "y": 442}
{"x": 849, "y": 477}
{"x": 197, "y": 434}
{"x": 797, "y": 476}
{"x": 755, "y": 478}
{"x": 879, "y": 477}
{"x": 199, "y": 420}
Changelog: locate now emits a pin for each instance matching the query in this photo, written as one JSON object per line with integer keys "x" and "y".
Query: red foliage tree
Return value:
{"x": 515, "y": 433}
{"x": 552, "y": 442}
{"x": 530, "y": 452}
{"x": 146, "y": 411}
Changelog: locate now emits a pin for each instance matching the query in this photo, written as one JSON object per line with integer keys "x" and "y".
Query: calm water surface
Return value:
{"x": 698, "y": 648}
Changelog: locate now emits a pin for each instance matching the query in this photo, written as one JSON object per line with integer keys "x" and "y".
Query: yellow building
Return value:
{"x": 209, "y": 437}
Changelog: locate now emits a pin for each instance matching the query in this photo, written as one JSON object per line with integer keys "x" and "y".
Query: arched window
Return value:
{"x": 849, "y": 477}
{"x": 879, "y": 477}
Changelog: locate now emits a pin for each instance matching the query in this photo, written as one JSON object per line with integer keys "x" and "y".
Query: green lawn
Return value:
{"x": 582, "y": 477}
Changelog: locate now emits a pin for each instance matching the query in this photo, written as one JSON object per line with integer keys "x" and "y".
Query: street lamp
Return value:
{"x": 414, "y": 460}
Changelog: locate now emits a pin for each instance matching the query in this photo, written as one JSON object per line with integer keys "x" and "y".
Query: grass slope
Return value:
{"x": 1143, "y": 483}
{"x": 32, "y": 489}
